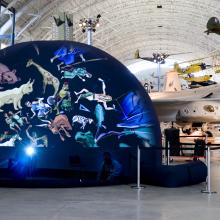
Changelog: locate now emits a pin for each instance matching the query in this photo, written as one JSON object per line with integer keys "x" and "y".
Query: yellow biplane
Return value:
{"x": 196, "y": 67}
{"x": 197, "y": 79}
{"x": 191, "y": 68}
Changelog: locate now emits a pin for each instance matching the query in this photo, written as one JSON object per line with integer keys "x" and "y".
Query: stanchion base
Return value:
{"x": 137, "y": 187}
{"x": 207, "y": 192}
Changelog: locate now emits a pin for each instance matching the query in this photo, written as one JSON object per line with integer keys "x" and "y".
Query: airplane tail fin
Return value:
{"x": 177, "y": 68}
{"x": 172, "y": 82}
{"x": 137, "y": 55}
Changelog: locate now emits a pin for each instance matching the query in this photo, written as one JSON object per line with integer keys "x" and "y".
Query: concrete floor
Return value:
{"x": 112, "y": 203}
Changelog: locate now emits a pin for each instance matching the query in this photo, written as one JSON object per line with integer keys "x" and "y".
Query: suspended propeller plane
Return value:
{"x": 156, "y": 57}
{"x": 180, "y": 102}
{"x": 213, "y": 26}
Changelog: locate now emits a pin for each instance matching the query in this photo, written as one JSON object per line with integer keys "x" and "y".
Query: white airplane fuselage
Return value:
{"x": 202, "y": 111}
{"x": 178, "y": 103}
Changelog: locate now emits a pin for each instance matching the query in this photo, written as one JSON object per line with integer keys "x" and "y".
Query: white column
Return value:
{"x": 158, "y": 75}
{"x": 89, "y": 36}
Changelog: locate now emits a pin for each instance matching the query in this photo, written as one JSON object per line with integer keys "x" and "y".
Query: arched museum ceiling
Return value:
{"x": 126, "y": 25}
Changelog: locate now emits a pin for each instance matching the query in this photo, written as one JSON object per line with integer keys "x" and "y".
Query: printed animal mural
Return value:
{"x": 35, "y": 140}
{"x": 7, "y": 76}
{"x": 67, "y": 56}
{"x": 15, "y": 95}
{"x": 134, "y": 120}
{"x": 99, "y": 97}
{"x": 48, "y": 78}
{"x": 76, "y": 101}
{"x": 18, "y": 118}
{"x": 73, "y": 103}
{"x": 60, "y": 125}
{"x": 11, "y": 141}
{"x": 4, "y": 136}
{"x": 38, "y": 108}
{"x": 81, "y": 120}
{"x": 79, "y": 72}
{"x": 86, "y": 139}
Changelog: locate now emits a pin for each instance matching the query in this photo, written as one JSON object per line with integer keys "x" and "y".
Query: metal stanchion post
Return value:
{"x": 163, "y": 151}
{"x": 138, "y": 186}
{"x": 168, "y": 153}
{"x": 206, "y": 152}
{"x": 208, "y": 184}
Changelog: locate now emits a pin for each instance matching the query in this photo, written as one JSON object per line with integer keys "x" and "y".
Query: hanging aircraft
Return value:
{"x": 199, "y": 111}
{"x": 198, "y": 79}
{"x": 173, "y": 90}
{"x": 199, "y": 73}
{"x": 196, "y": 67}
{"x": 177, "y": 95}
{"x": 213, "y": 26}
{"x": 146, "y": 72}
{"x": 156, "y": 57}
{"x": 188, "y": 105}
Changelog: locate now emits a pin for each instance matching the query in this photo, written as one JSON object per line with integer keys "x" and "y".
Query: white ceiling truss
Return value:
{"x": 126, "y": 25}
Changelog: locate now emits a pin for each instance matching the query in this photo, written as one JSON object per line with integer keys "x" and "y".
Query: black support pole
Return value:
{"x": 13, "y": 27}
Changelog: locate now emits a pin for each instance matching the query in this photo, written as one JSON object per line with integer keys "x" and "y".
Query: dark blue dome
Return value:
{"x": 67, "y": 98}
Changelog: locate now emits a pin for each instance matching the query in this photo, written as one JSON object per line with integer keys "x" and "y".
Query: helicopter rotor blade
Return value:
{"x": 174, "y": 54}
{"x": 202, "y": 58}
{"x": 151, "y": 59}
{"x": 165, "y": 55}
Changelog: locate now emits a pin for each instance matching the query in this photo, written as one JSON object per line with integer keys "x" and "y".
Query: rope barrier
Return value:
{"x": 215, "y": 148}
{"x": 182, "y": 148}
{"x": 207, "y": 149}
{"x": 193, "y": 136}
{"x": 208, "y": 181}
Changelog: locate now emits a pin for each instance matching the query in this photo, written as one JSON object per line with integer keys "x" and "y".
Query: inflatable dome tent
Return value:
{"x": 62, "y": 105}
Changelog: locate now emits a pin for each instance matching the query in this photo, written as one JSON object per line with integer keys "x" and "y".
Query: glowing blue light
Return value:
{"x": 30, "y": 151}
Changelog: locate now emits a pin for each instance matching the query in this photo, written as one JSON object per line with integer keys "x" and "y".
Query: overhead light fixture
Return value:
{"x": 89, "y": 23}
{"x": 159, "y": 57}
{"x": 159, "y": 6}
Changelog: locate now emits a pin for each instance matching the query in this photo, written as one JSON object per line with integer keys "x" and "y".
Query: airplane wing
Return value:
{"x": 188, "y": 95}
{"x": 181, "y": 99}
{"x": 176, "y": 101}
{"x": 167, "y": 111}
{"x": 175, "y": 111}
